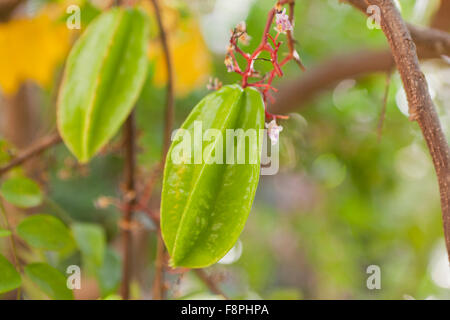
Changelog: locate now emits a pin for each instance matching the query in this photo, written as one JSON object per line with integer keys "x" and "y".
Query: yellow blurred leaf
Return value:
{"x": 190, "y": 56}
{"x": 30, "y": 50}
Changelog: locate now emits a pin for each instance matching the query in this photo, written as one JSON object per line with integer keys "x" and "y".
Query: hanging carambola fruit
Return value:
{"x": 205, "y": 203}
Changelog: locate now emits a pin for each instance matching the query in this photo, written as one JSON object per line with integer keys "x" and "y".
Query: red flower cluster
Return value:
{"x": 268, "y": 43}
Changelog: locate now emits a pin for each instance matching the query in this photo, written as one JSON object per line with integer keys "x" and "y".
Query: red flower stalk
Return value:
{"x": 269, "y": 44}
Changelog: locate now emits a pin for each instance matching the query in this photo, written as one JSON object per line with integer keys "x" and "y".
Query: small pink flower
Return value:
{"x": 241, "y": 27}
{"x": 229, "y": 63}
{"x": 240, "y": 33}
{"x": 245, "y": 39}
{"x": 282, "y": 22}
{"x": 214, "y": 84}
{"x": 273, "y": 130}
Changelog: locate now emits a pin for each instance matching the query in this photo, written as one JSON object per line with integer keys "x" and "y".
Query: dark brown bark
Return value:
{"x": 130, "y": 199}
{"x": 421, "y": 107}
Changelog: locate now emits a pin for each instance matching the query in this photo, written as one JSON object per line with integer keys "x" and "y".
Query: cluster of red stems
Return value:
{"x": 270, "y": 44}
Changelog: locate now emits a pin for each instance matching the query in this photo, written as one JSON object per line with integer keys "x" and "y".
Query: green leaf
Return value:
{"x": 9, "y": 277}
{"x": 4, "y": 233}
{"x": 110, "y": 273}
{"x": 49, "y": 280}
{"x": 104, "y": 75}
{"x": 205, "y": 206}
{"x": 46, "y": 232}
{"x": 91, "y": 240}
{"x": 21, "y": 192}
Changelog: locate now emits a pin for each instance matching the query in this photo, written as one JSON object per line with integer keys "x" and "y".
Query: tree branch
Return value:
{"x": 40, "y": 146}
{"x": 158, "y": 284}
{"x": 170, "y": 112}
{"x": 421, "y": 107}
{"x": 130, "y": 199}
{"x": 441, "y": 19}
{"x": 430, "y": 44}
{"x": 7, "y": 7}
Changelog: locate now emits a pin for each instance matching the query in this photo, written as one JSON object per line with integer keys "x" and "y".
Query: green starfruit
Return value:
{"x": 211, "y": 175}
{"x": 103, "y": 78}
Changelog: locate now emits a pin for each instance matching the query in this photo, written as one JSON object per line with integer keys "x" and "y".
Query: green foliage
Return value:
{"x": 104, "y": 75}
{"x": 110, "y": 273}
{"x": 9, "y": 278}
{"x": 105, "y": 173}
{"x": 44, "y": 231}
{"x": 49, "y": 280}
{"x": 205, "y": 206}
{"x": 92, "y": 241}
{"x": 4, "y": 233}
{"x": 21, "y": 192}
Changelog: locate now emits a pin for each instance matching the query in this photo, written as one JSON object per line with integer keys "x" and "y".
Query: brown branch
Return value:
{"x": 158, "y": 284}
{"x": 40, "y": 146}
{"x": 130, "y": 199}
{"x": 416, "y": 32}
{"x": 441, "y": 19}
{"x": 169, "y": 116}
{"x": 430, "y": 40}
{"x": 421, "y": 107}
{"x": 291, "y": 41}
{"x": 297, "y": 93}
{"x": 7, "y": 7}
{"x": 209, "y": 282}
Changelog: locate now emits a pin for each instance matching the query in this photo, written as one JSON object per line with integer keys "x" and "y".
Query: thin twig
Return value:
{"x": 169, "y": 116}
{"x": 441, "y": 19}
{"x": 158, "y": 284}
{"x": 291, "y": 41}
{"x": 384, "y": 106}
{"x": 421, "y": 107}
{"x": 40, "y": 146}
{"x": 209, "y": 282}
{"x": 7, "y": 8}
{"x": 130, "y": 198}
